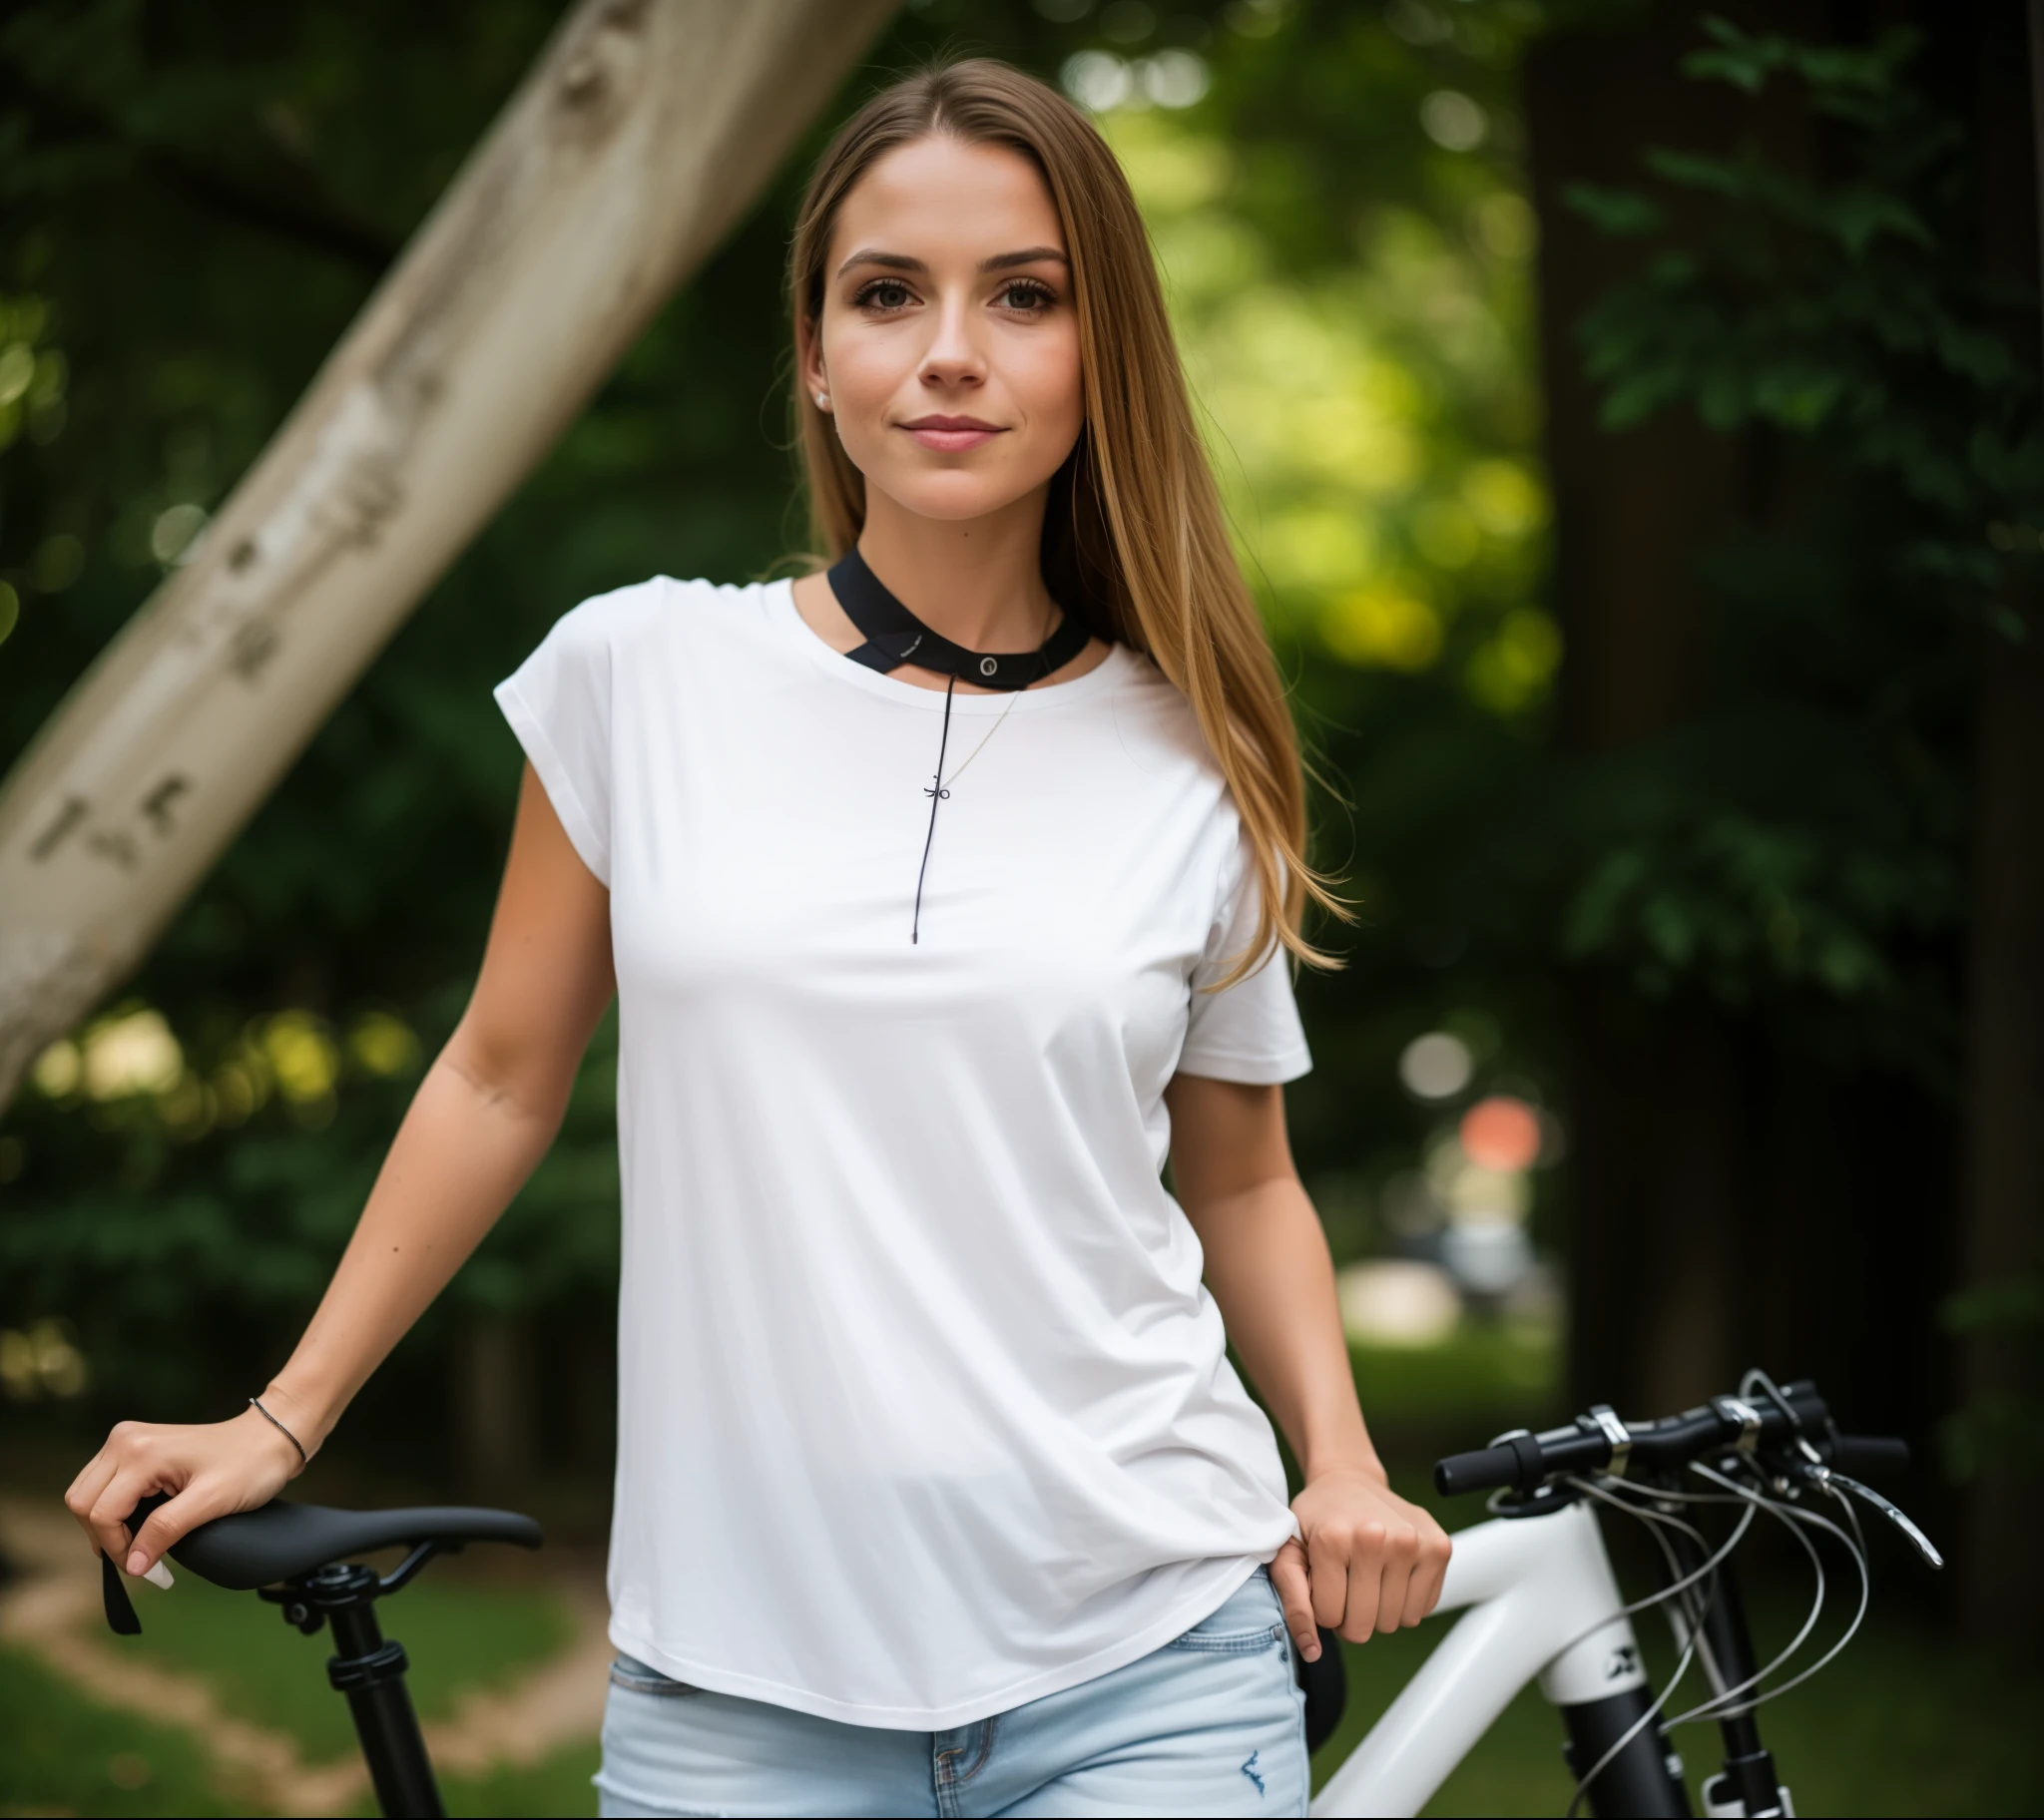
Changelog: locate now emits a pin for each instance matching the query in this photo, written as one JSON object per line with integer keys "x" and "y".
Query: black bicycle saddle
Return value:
{"x": 282, "y": 1540}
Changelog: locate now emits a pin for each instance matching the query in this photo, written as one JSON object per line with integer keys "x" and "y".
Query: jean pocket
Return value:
{"x": 1250, "y": 1619}
{"x": 634, "y": 1677}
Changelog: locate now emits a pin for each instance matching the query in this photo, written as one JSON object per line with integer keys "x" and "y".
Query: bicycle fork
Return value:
{"x": 1748, "y": 1787}
{"x": 1646, "y": 1776}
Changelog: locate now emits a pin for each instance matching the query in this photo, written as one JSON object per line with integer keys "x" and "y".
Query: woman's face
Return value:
{"x": 948, "y": 351}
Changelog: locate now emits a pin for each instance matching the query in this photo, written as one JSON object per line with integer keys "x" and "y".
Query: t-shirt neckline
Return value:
{"x": 1108, "y": 674}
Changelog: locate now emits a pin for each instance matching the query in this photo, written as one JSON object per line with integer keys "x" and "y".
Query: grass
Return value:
{"x": 458, "y": 1634}
{"x": 557, "y": 1785}
{"x": 1484, "y": 1377}
{"x": 61, "y": 1754}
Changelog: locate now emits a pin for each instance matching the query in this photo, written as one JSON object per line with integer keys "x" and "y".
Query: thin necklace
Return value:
{"x": 938, "y": 790}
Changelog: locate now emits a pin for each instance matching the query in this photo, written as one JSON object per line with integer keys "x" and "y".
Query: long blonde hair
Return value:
{"x": 1134, "y": 538}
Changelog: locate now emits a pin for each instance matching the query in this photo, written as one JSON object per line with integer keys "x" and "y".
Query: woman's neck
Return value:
{"x": 978, "y": 582}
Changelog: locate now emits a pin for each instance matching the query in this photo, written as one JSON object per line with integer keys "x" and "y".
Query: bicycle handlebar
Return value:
{"x": 1598, "y": 1441}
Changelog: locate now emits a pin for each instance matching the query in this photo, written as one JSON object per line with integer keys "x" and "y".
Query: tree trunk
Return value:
{"x": 639, "y": 138}
{"x": 2002, "y": 1572}
{"x": 496, "y": 1414}
{"x": 1730, "y": 1206}
{"x": 1652, "y": 1197}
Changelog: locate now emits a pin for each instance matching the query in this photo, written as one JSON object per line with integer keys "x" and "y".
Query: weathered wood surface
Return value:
{"x": 641, "y": 134}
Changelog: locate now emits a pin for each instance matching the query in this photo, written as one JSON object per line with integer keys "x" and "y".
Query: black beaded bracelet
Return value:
{"x": 255, "y": 1403}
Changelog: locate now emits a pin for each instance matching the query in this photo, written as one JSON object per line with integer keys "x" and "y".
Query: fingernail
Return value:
{"x": 137, "y": 1561}
{"x": 1311, "y": 1651}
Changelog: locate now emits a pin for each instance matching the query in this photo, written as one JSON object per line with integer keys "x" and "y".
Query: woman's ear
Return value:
{"x": 815, "y": 380}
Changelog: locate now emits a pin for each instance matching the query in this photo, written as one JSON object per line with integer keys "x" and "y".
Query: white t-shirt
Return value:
{"x": 924, "y": 1411}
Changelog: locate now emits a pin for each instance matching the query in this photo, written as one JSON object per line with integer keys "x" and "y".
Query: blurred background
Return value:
{"x": 1630, "y": 426}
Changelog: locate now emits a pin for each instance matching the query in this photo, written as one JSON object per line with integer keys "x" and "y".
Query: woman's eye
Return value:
{"x": 1026, "y": 297}
{"x": 887, "y": 294}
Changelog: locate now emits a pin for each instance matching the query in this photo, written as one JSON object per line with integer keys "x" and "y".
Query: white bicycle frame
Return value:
{"x": 1542, "y": 1601}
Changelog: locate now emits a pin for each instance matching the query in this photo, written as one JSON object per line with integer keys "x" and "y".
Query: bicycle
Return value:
{"x": 1543, "y": 1603}
{"x": 1540, "y": 1597}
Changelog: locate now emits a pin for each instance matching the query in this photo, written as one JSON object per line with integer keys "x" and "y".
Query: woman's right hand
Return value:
{"x": 208, "y": 1469}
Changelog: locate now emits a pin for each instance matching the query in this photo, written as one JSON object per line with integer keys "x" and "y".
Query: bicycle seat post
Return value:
{"x": 370, "y": 1672}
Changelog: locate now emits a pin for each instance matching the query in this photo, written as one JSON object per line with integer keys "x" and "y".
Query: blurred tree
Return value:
{"x": 1790, "y": 607}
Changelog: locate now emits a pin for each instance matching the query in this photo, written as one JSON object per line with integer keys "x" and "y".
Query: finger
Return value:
{"x": 1400, "y": 1552}
{"x": 84, "y": 1490}
{"x": 108, "y": 1520}
{"x": 1294, "y": 1586}
{"x": 1326, "y": 1552}
{"x": 1425, "y": 1590}
{"x": 1422, "y": 1594}
{"x": 171, "y": 1522}
{"x": 1365, "y": 1575}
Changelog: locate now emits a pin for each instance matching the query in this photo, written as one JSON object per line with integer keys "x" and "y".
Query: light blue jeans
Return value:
{"x": 1212, "y": 1723}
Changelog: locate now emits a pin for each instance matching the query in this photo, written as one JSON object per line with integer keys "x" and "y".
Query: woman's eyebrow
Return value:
{"x": 872, "y": 255}
{"x": 1029, "y": 255}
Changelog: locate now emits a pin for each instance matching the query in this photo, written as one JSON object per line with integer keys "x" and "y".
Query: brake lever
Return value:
{"x": 1827, "y": 1478}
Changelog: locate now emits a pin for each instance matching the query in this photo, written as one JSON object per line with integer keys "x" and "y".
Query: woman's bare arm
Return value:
{"x": 479, "y": 1124}
{"x": 1370, "y": 1560}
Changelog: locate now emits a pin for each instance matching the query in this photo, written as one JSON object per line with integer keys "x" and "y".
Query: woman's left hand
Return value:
{"x": 1370, "y": 1561}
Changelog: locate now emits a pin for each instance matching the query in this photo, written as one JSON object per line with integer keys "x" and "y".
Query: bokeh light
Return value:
{"x": 41, "y": 1361}
{"x": 1501, "y": 1134}
{"x": 1395, "y": 1301}
{"x": 1436, "y": 1065}
{"x": 129, "y": 1054}
{"x": 1453, "y": 120}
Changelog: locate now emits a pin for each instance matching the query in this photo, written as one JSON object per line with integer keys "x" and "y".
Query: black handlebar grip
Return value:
{"x": 1515, "y": 1462}
{"x": 1870, "y": 1456}
{"x": 1483, "y": 1470}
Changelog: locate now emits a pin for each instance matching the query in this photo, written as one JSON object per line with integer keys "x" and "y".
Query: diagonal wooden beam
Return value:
{"x": 639, "y": 136}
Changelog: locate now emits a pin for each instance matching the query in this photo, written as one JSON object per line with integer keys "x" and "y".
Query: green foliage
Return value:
{"x": 1767, "y": 852}
{"x": 1801, "y": 837}
{"x": 1829, "y": 307}
{"x": 2003, "y": 1428}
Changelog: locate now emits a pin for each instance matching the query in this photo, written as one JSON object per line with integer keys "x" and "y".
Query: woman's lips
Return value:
{"x": 951, "y": 434}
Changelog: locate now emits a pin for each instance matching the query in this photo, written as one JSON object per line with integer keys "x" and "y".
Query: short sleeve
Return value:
{"x": 1249, "y": 1033}
{"x": 558, "y": 702}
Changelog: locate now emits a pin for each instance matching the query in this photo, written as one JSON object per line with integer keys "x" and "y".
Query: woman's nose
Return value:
{"x": 954, "y": 356}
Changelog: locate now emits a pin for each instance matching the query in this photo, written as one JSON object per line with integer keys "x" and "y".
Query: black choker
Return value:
{"x": 894, "y": 635}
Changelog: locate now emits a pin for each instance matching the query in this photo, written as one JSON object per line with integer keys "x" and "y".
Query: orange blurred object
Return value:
{"x": 1500, "y": 1133}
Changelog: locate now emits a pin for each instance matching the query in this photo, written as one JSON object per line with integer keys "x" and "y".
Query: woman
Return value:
{"x": 943, "y": 892}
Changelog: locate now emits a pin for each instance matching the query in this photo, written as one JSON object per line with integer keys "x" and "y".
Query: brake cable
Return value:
{"x": 1710, "y": 1567}
{"x": 1855, "y": 1546}
{"x": 1728, "y": 1700}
